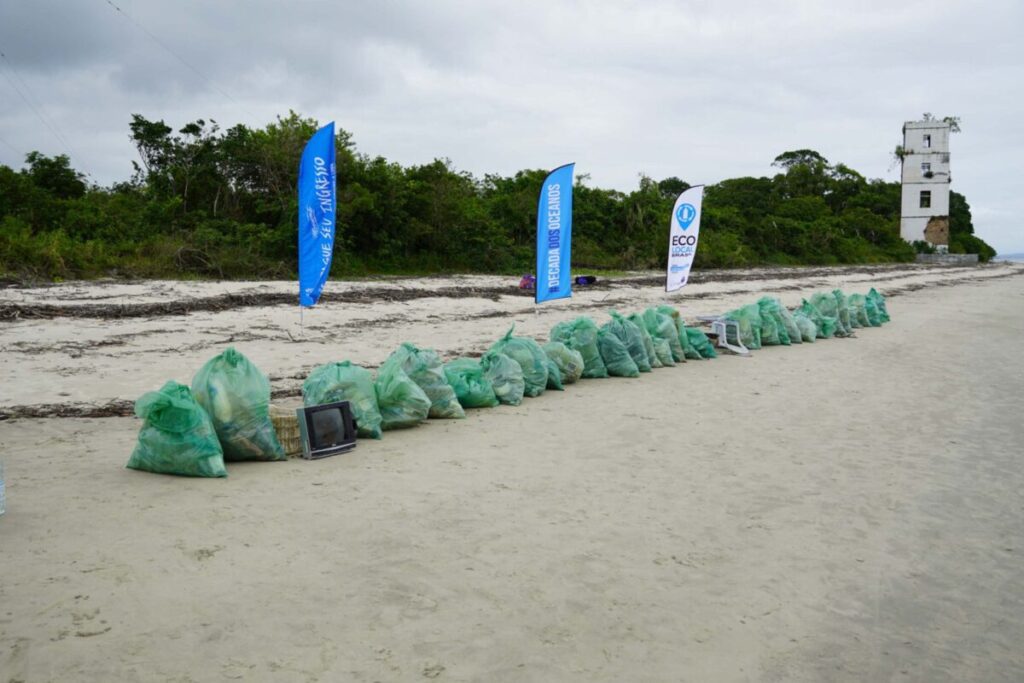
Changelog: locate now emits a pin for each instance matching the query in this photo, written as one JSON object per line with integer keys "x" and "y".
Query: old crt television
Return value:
{"x": 327, "y": 429}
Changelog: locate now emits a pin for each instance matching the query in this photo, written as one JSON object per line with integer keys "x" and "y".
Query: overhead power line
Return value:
{"x": 24, "y": 91}
{"x": 174, "y": 54}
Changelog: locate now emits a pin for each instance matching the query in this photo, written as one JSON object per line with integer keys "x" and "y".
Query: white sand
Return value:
{"x": 849, "y": 510}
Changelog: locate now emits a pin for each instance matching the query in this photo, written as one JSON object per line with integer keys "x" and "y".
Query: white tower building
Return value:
{"x": 924, "y": 213}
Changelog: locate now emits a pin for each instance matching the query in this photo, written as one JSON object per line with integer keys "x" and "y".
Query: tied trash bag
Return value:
{"x": 748, "y": 318}
{"x": 859, "y": 311}
{"x": 701, "y": 343}
{"x": 851, "y": 312}
{"x": 615, "y": 355}
{"x": 883, "y": 312}
{"x": 789, "y": 322}
{"x": 424, "y": 367}
{"x": 662, "y": 326}
{"x": 629, "y": 335}
{"x": 581, "y": 335}
{"x": 874, "y": 317}
{"x": 569, "y": 362}
{"x": 789, "y": 333}
{"x": 689, "y": 350}
{"x": 808, "y": 330}
{"x": 531, "y": 359}
{"x": 663, "y": 351}
{"x": 843, "y": 309}
{"x": 652, "y": 356}
{"x": 236, "y": 395}
{"x": 828, "y": 306}
{"x": 401, "y": 401}
{"x": 344, "y": 381}
{"x": 554, "y": 376}
{"x": 177, "y": 436}
{"x": 689, "y": 353}
{"x": 824, "y": 324}
{"x": 506, "y": 376}
{"x": 472, "y": 388}
{"x": 772, "y": 331}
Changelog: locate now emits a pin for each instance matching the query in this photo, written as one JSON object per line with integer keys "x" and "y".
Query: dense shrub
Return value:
{"x": 210, "y": 203}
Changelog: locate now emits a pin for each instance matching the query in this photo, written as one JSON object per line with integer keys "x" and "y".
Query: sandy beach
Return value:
{"x": 849, "y": 510}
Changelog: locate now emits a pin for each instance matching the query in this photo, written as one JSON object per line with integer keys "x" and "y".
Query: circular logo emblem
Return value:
{"x": 685, "y": 215}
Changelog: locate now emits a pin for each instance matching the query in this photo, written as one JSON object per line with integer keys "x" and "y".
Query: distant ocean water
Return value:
{"x": 1019, "y": 258}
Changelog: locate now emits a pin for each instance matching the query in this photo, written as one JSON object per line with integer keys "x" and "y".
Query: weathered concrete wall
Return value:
{"x": 925, "y": 168}
{"x": 948, "y": 259}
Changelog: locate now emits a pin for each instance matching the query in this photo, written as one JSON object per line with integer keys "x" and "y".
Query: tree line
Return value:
{"x": 204, "y": 201}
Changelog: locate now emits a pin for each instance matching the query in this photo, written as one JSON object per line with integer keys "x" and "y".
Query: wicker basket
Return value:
{"x": 286, "y": 424}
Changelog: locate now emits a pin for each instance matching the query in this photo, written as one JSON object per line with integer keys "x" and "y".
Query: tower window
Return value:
{"x": 926, "y": 167}
{"x": 926, "y": 199}
{"x": 927, "y": 142}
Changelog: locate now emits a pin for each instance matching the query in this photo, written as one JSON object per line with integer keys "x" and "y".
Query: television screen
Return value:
{"x": 326, "y": 429}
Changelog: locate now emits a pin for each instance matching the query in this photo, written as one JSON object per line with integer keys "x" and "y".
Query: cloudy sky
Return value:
{"x": 702, "y": 90}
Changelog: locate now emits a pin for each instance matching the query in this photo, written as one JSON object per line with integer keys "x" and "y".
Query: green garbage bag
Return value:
{"x": 874, "y": 317}
{"x": 346, "y": 382}
{"x": 652, "y": 357}
{"x": 629, "y": 335}
{"x": 858, "y": 310}
{"x": 615, "y": 355}
{"x": 424, "y": 367}
{"x": 581, "y": 335}
{"x": 506, "y": 376}
{"x": 177, "y": 436}
{"x": 783, "y": 318}
{"x": 851, "y": 315}
{"x": 689, "y": 353}
{"x": 401, "y": 401}
{"x": 748, "y": 318}
{"x": 569, "y": 361}
{"x": 663, "y": 351}
{"x": 701, "y": 343}
{"x": 879, "y": 300}
{"x": 808, "y": 330}
{"x": 554, "y": 375}
{"x": 843, "y": 308}
{"x": 828, "y": 306}
{"x": 789, "y": 322}
{"x": 473, "y": 389}
{"x": 824, "y": 324}
{"x": 662, "y": 326}
{"x": 236, "y": 395}
{"x": 689, "y": 350}
{"x": 772, "y": 307}
{"x": 530, "y": 357}
{"x": 772, "y": 332}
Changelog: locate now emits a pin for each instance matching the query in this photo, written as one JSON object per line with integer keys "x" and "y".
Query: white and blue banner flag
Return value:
{"x": 684, "y": 228}
{"x": 317, "y": 217}
{"x": 554, "y": 235}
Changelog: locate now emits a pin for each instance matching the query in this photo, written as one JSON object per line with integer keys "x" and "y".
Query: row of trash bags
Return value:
{"x": 225, "y": 416}
{"x": 414, "y": 384}
{"x": 825, "y": 315}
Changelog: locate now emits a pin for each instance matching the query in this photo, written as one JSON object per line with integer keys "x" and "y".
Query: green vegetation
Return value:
{"x": 206, "y": 202}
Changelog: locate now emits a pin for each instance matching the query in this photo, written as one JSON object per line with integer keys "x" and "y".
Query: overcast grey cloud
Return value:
{"x": 700, "y": 90}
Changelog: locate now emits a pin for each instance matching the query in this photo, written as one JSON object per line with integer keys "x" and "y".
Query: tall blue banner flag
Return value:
{"x": 554, "y": 235}
{"x": 317, "y": 204}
